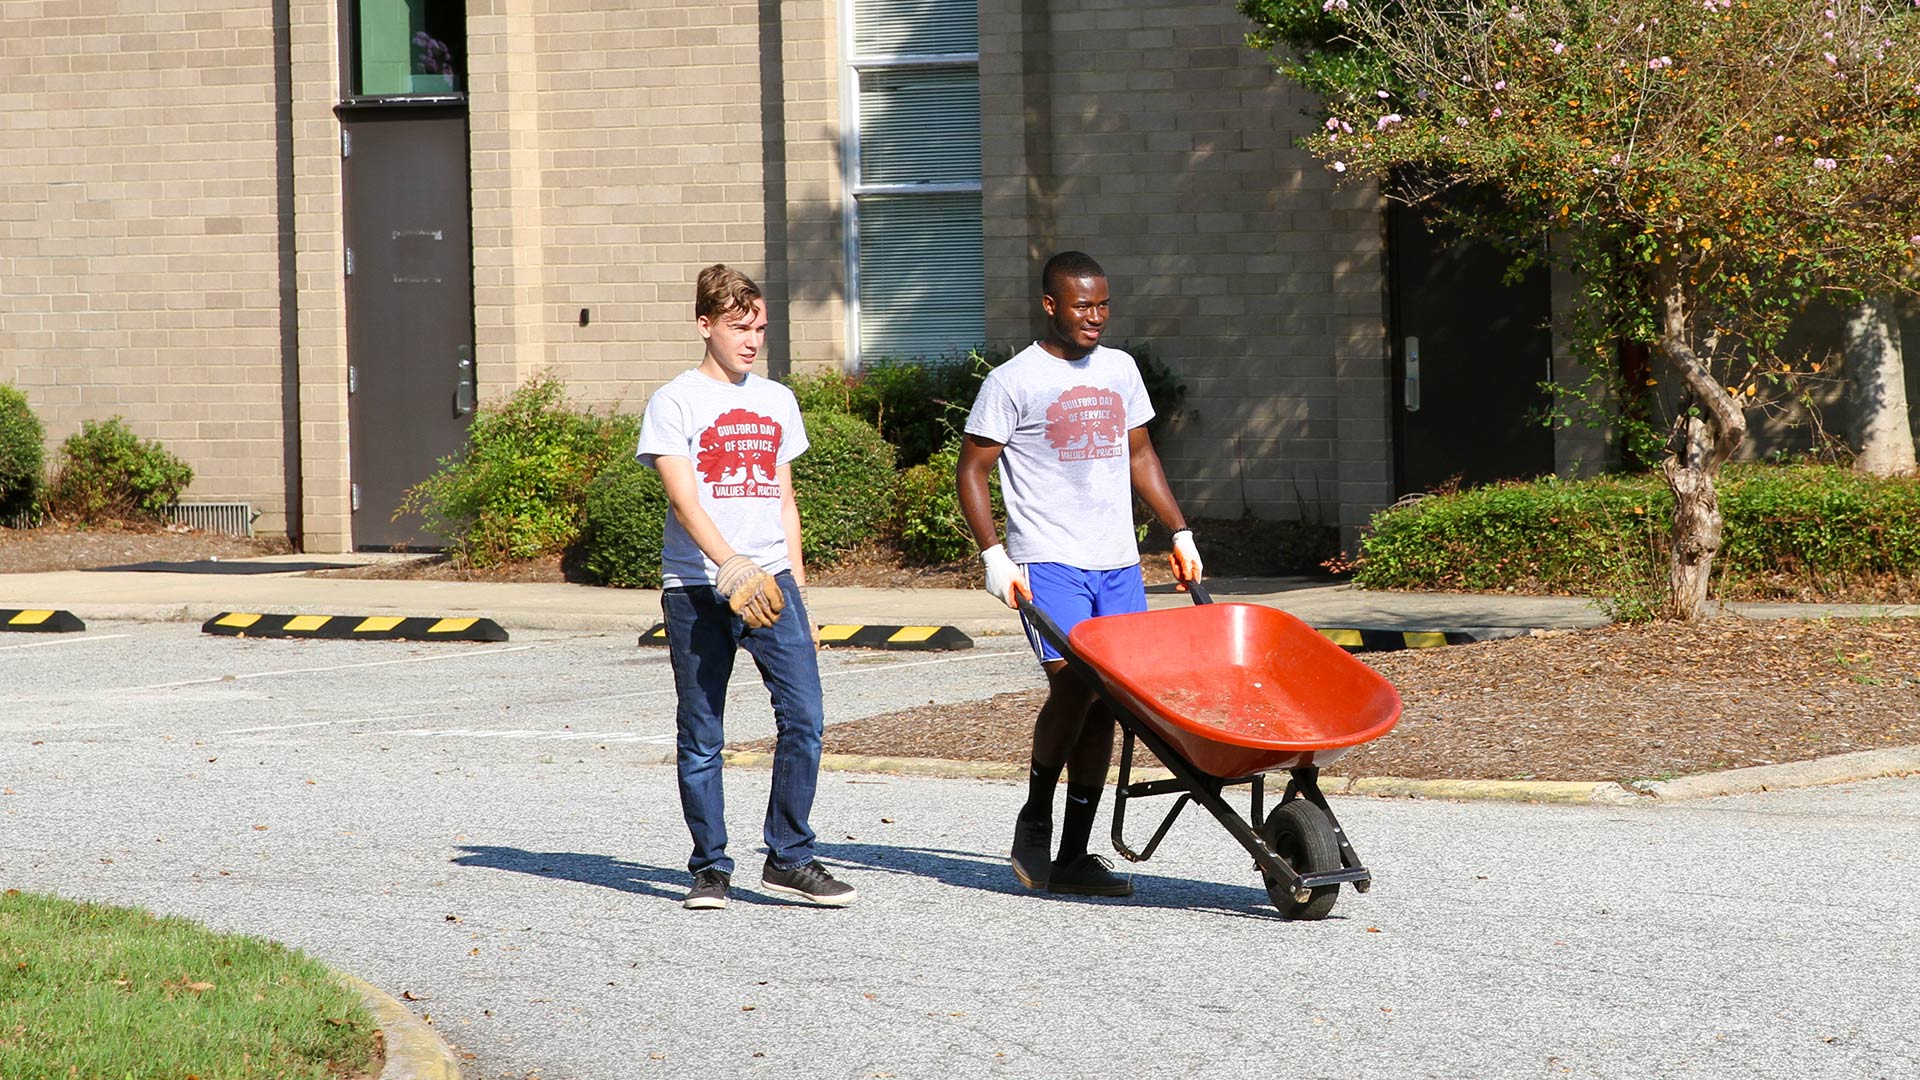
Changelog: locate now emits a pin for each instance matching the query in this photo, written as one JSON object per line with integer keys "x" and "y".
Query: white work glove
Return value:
{"x": 751, "y": 592}
{"x": 1185, "y": 557}
{"x": 1003, "y": 577}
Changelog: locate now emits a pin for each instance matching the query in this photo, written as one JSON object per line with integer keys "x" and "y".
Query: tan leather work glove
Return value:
{"x": 751, "y": 592}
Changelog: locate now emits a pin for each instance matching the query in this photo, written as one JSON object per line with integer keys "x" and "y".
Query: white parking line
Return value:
{"x": 334, "y": 667}
{"x": 61, "y": 641}
{"x": 327, "y": 723}
{"x": 528, "y": 733}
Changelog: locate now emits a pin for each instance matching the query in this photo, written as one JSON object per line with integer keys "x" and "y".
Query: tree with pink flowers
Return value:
{"x": 1707, "y": 166}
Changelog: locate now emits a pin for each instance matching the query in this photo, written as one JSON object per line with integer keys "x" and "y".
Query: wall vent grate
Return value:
{"x": 234, "y": 519}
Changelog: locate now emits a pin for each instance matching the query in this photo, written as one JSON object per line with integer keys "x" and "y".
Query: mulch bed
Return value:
{"x": 1618, "y": 703}
{"x": 66, "y": 547}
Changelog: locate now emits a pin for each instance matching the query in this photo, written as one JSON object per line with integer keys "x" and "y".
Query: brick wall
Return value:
{"x": 141, "y": 230}
{"x": 619, "y": 149}
{"x": 1154, "y": 139}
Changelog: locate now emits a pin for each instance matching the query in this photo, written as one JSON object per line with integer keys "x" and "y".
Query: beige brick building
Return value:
{"x": 186, "y": 177}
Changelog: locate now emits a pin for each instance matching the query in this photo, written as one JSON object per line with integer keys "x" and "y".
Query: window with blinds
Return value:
{"x": 918, "y": 278}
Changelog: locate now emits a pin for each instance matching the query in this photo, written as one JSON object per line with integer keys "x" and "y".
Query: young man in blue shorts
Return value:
{"x": 723, "y": 440}
{"x": 1065, "y": 421}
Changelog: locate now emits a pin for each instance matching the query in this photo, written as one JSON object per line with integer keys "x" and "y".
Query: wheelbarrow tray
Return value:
{"x": 1238, "y": 689}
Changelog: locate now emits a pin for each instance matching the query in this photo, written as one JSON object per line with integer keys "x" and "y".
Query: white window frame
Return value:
{"x": 852, "y": 189}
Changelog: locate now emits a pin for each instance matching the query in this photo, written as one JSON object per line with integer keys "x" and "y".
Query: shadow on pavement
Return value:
{"x": 962, "y": 869}
{"x": 990, "y": 873}
{"x": 607, "y": 872}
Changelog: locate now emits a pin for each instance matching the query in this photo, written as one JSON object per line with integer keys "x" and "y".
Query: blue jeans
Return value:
{"x": 702, "y": 634}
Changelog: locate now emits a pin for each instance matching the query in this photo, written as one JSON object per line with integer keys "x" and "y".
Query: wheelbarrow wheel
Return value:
{"x": 1300, "y": 833}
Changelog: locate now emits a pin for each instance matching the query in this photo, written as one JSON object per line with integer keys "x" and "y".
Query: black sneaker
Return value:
{"x": 1088, "y": 875}
{"x": 1032, "y": 850}
{"x": 709, "y": 890}
{"x": 810, "y": 882}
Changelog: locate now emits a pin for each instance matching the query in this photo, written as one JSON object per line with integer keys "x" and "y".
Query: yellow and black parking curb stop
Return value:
{"x": 1367, "y": 639}
{"x": 925, "y": 638}
{"x": 353, "y": 627}
{"x": 40, "y": 622}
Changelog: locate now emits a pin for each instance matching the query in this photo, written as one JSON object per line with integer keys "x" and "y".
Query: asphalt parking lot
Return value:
{"x": 484, "y": 827}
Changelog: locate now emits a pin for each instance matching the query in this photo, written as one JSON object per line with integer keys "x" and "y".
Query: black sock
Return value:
{"x": 1041, "y": 780}
{"x": 1076, "y": 824}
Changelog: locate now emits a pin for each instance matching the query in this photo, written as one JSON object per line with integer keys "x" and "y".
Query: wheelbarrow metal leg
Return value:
{"x": 1125, "y": 790}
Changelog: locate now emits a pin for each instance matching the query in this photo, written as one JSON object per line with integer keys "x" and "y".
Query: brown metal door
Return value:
{"x": 1470, "y": 353}
{"x": 409, "y": 308}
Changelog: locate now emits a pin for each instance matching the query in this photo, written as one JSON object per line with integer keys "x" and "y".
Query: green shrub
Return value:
{"x": 918, "y": 407}
{"x": 23, "y": 448}
{"x": 518, "y": 491}
{"x": 107, "y": 473}
{"x": 927, "y": 515}
{"x": 623, "y": 525}
{"x": 843, "y": 485}
{"x": 1817, "y": 528}
{"x": 921, "y": 406}
{"x": 1798, "y": 530}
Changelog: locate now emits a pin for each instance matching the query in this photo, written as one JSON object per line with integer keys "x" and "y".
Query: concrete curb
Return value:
{"x": 1839, "y": 769}
{"x": 414, "y": 1050}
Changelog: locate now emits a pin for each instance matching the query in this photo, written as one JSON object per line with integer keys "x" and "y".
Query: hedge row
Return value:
{"x": 1789, "y": 530}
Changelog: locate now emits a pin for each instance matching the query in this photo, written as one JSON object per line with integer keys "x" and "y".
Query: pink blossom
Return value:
{"x": 1381, "y": 94}
{"x": 1778, "y": 139}
{"x": 1501, "y": 85}
{"x": 1333, "y": 124}
{"x": 1830, "y": 14}
{"x": 1827, "y": 163}
{"x": 1496, "y": 114}
{"x": 1334, "y": 5}
{"x": 1831, "y": 59}
{"x": 1888, "y": 158}
{"x": 1386, "y": 121}
{"x": 1460, "y": 121}
{"x": 1339, "y": 166}
{"x": 1559, "y": 47}
{"x": 1914, "y": 240}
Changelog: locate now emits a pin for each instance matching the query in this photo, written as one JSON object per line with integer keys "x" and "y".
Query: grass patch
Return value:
{"x": 90, "y": 990}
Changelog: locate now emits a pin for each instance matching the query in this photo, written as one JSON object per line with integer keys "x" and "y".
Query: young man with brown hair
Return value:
{"x": 1065, "y": 421}
{"x": 723, "y": 439}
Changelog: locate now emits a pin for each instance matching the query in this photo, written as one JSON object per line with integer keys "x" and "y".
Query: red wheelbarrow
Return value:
{"x": 1223, "y": 694}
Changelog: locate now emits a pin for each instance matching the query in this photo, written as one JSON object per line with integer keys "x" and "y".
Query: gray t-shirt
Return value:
{"x": 736, "y": 435}
{"x": 1065, "y": 473}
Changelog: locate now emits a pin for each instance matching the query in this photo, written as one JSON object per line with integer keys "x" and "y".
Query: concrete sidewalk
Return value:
{"x": 168, "y": 596}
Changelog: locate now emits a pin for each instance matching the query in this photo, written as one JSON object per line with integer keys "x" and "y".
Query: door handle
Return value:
{"x": 463, "y": 383}
{"x": 1411, "y": 384}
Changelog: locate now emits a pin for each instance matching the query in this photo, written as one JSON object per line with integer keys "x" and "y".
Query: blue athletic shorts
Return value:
{"x": 1069, "y": 594}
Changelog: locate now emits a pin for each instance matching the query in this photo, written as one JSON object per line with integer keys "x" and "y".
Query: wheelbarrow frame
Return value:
{"x": 1192, "y": 784}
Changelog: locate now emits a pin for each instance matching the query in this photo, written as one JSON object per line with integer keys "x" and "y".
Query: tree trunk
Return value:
{"x": 1877, "y": 388}
{"x": 1700, "y": 445}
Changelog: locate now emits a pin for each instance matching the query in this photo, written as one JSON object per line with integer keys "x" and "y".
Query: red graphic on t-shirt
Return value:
{"x": 1087, "y": 422}
{"x": 740, "y": 443}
